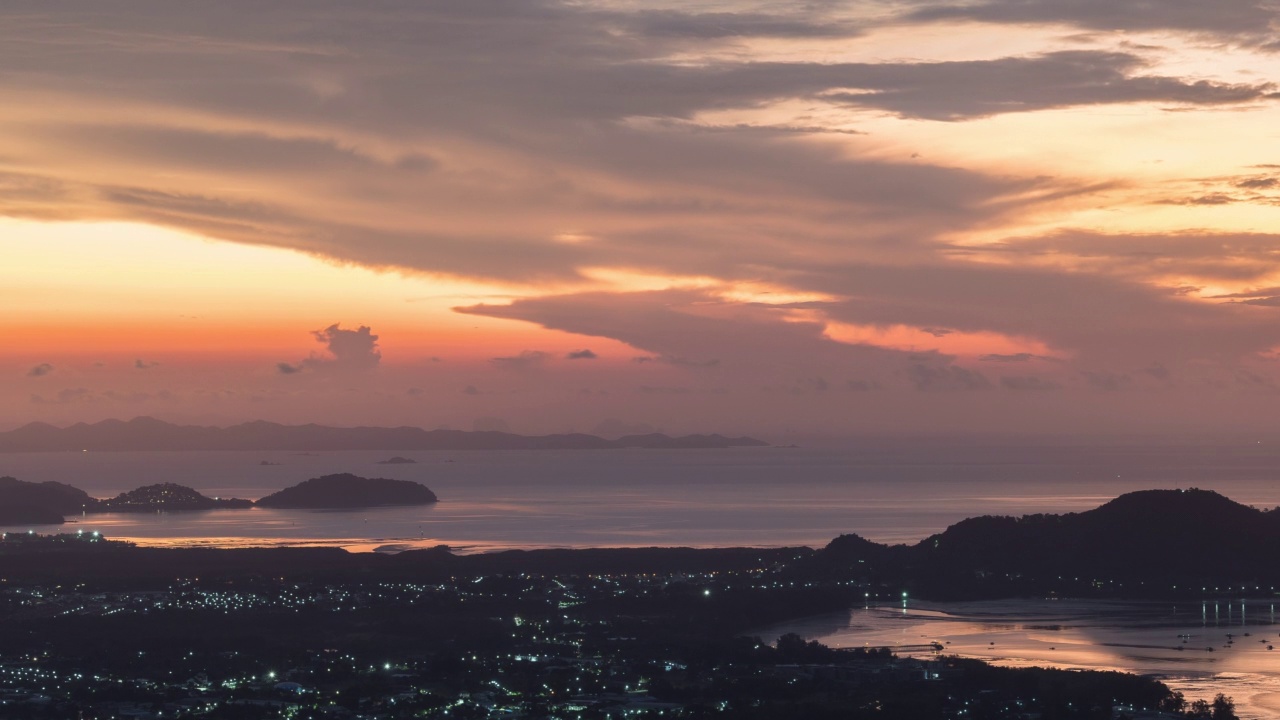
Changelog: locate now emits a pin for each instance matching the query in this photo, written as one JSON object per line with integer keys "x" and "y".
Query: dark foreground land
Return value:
{"x": 606, "y": 637}
{"x": 95, "y": 629}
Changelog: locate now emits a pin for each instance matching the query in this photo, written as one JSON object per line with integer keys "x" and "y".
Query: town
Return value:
{"x": 511, "y": 644}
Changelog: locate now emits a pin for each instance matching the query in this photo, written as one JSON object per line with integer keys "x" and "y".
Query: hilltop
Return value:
{"x": 49, "y": 496}
{"x": 1143, "y": 543}
{"x": 167, "y": 497}
{"x": 150, "y": 434}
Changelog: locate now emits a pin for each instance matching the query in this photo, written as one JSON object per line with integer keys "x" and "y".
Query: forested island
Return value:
{"x": 23, "y": 503}
{"x": 347, "y": 491}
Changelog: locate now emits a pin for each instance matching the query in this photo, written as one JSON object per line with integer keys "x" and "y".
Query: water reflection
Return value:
{"x": 1200, "y": 648}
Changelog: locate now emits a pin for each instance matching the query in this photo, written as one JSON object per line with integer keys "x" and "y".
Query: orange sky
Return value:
{"x": 848, "y": 217}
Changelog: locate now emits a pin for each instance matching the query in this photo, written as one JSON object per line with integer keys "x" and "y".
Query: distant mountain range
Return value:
{"x": 145, "y": 433}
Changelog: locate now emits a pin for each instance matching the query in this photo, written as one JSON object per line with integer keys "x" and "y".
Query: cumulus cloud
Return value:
{"x": 40, "y": 370}
{"x": 346, "y": 349}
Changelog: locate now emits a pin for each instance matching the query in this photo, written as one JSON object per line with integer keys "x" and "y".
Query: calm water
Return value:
{"x": 1133, "y": 637}
{"x": 745, "y": 496}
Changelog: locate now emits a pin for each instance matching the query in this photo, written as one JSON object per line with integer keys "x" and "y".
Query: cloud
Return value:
{"x": 1258, "y": 183}
{"x": 583, "y": 354}
{"x": 1107, "y": 381}
{"x": 40, "y": 370}
{"x": 525, "y": 360}
{"x": 981, "y": 88}
{"x": 470, "y": 390}
{"x": 1252, "y": 380}
{"x": 1013, "y": 357}
{"x": 1156, "y": 371}
{"x": 945, "y": 378}
{"x": 141, "y": 364}
{"x": 66, "y": 396}
{"x": 693, "y": 144}
{"x": 346, "y": 349}
{"x": 659, "y": 390}
{"x": 1024, "y": 383}
{"x": 733, "y": 25}
{"x": 810, "y": 385}
{"x": 1234, "y": 19}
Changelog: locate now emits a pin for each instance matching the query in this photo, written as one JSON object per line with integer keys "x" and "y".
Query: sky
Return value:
{"x": 829, "y": 217}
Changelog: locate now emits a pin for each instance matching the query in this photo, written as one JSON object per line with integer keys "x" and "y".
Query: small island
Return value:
{"x": 345, "y": 491}
{"x": 397, "y": 460}
{"x": 167, "y": 497}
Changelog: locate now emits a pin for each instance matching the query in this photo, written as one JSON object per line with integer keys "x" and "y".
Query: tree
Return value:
{"x": 1224, "y": 708}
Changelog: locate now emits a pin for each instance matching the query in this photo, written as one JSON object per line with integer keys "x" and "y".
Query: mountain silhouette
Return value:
{"x": 347, "y": 491}
{"x": 1141, "y": 542}
{"x": 146, "y": 433}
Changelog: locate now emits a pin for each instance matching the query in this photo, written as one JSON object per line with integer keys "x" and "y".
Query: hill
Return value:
{"x": 1142, "y": 543}
{"x": 167, "y": 497}
{"x": 347, "y": 491}
{"x": 144, "y": 433}
{"x": 50, "y": 496}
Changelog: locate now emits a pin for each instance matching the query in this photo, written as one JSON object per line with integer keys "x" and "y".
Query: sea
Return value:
{"x": 890, "y": 492}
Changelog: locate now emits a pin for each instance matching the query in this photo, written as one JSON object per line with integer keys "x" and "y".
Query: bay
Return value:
{"x": 889, "y": 492}
{"x": 1169, "y": 641}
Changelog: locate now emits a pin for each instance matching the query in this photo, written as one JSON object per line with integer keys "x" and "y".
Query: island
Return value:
{"x": 397, "y": 460}
{"x": 345, "y": 491}
{"x": 167, "y": 497}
